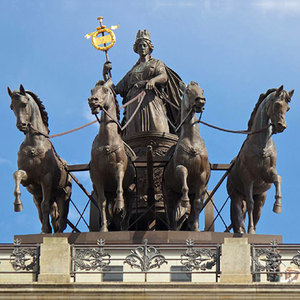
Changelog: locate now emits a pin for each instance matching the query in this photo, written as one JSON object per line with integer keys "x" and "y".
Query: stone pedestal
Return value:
{"x": 55, "y": 260}
{"x": 236, "y": 261}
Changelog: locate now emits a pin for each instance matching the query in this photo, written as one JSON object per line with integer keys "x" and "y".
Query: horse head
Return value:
{"x": 195, "y": 98}
{"x": 100, "y": 95}
{"x": 20, "y": 107}
{"x": 278, "y": 108}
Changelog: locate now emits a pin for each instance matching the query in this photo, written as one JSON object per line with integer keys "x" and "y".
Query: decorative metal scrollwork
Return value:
{"x": 145, "y": 258}
{"x": 193, "y": 259}
{"x": 296, "y": 259}
{"x": 92, "y": 259}
{"x": 272, "y": 259}
{"x": 24, "y": 258}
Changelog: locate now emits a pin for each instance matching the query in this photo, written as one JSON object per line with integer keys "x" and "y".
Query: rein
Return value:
{"x": 234, "y": 131}
{"x": 140, "y": 97}
{"x": 185, "y": 118}
{"x": 142, "y": 93}
{"x": 165, "y": 98}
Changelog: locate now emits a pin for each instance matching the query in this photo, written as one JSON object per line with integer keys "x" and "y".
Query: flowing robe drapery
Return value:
{"x": 152, "y": 114}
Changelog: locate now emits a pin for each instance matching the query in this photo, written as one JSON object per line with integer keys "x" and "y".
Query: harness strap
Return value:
{"x": 184, "y": 119}
{"x": 165, "y": 98}
{"x": 137, "y": 97}
{"x": 190, "y": 150}
{"x": 111, "y": 117}
{"x": 141, "y": 98}
{"x": 109, "y": 149}
{"x": 235, "y": 131}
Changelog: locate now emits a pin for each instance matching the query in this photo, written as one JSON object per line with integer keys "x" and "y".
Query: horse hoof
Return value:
{"x": 277, "y": 208}
{"x": 173, "y": 227}
{"x": 241, "y": 231}
{"x": 18, "y": 207}
{"x": 193, "y": 227}
{"x": 238, "y": 234}
{"x": 119, "y": 206}
{"x": 46, "y": 230}
{"x": 251, "y": 231}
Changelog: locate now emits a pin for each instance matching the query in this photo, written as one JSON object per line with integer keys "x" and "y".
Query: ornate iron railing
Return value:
{"x": 18, "y": 258}
{"x": 276, "y": 262}
{"x": 176, "y": 262}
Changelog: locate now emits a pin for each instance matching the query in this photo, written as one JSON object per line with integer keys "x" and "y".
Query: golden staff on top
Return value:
{"x": 102, "y": 41}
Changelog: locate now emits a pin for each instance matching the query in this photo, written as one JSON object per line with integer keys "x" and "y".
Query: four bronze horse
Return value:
{"x": 40, "y": 169}
{"x": 186, "y": 175}
{"x": 254, "y": 169}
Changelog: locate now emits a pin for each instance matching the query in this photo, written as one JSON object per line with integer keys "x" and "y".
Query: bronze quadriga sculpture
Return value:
{"x": 187, "y": 173}
{"x": 110, "y": 167}
{"x": 158, "y": 179}
{"x": 254, "y": 169}
{"x": 40, "y": 169}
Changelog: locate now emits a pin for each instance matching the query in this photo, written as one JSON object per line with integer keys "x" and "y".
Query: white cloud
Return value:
{"x": 178, "y": 4}
{"x": 280, "y": 7}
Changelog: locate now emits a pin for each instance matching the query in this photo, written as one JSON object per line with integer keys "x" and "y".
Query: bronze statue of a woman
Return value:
{"x": 162, "y": 86}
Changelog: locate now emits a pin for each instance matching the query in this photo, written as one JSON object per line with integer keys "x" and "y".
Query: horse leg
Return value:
{"x": 36, "y": 192}
{"x": 237, "y": 208}
{"x": 272, "y": 177}
{"x": 102, "y": 202}
{"x": 129, "y": 197}
{"x": 45, "y": 205}
{"x": 127, "y": 211}
{"x": 18, "y": 177}
{"x": 63, "y": 208}
{"x": 278, "y": 196}
{"x": 250, "y": 206}
{"x": 244, "y": 212}
{"x": 181, "y": 174}
{"x": 171, "y": 207}
{"x": 259, "y": 201}
{"x": 119, "y": 200}
{"x": 54, "y": 214}
{"x": 193, "y": 221}
{"x": 236, "y": 213}
{"x": 37, "y": 201}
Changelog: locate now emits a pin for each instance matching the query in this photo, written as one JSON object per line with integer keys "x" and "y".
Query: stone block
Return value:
{"x": 55, "y": 260}
{"x": 236, "y": 261}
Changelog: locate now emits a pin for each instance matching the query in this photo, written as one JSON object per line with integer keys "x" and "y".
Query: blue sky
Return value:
{"x": 235, "y": 50}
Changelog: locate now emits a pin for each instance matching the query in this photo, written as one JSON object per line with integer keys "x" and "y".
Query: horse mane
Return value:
{"x": 101, "y": 83}
{"x": 261, "y": 98}
{"x": 41, "y": 107}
